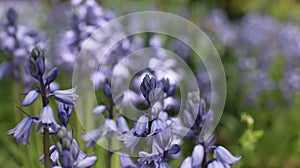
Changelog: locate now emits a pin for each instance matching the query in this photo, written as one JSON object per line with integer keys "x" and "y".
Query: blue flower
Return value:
{"x": 92, "y": 137}
{"x": 187, "y": 163}
{"x": 141, "y": 125}
{"x": 122, "y": 125}
{"x": 197, "y": 155}
{"x": 224, "y": 156}
{"x": 196, "y": 159}
{"x": 125, "y": 161}
{"x": 88, "y": 161}
{"x": 66, "y": 96}
{"x": 30, "y": 98}
{"x": 64, "y": 113}
{"x": 47, "y": 119}
{"x": 216, "y": 164}
{"x": 100, "y": 109}
{"x": 23, "y": 130}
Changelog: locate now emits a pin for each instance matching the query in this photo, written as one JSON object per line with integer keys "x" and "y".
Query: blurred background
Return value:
{"x": 259, "y": 44}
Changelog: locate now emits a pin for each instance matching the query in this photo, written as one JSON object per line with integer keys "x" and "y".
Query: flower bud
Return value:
{"x": 30, "y": 98}
{"x": 37, "y": 62}
{"x": 52, "y": 75}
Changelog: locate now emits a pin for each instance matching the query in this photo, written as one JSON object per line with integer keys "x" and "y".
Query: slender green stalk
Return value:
{"x": 45, "y": 100}
{"x": 46, "y": 148}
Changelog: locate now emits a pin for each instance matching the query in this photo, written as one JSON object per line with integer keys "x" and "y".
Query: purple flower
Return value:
{"x": 91, "y": 137}
{"x": 125, "y": 161}
{"x": 216, "y": 164}
{"x": 224, "y": 156}
{"x": 87, "y": 162}
{"x": 187, "y": 163}
{"x": 197, "y": 155}
{"x": 30, "y": 98}
{"x": 66, "y": 96}
{"x": 23, "y": 130}
{"x": 47, "y": 119}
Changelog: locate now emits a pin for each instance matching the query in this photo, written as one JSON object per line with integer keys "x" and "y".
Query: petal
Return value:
{"x": 141, "y": 125}
{"x": 99, "y": 109}
{"x": 197, "y": 155}
{"x": 215, "y": 164}
{"x": 65, "y": 92}
{"x": 87, "y": 162}
{"x": 122, "y": 125}
{"x": 225, "y": 156}
{"x": 187, "y": 118}
{"x": 187, "y": 163}
{"x": 164, "y": 165}
{"x": 125, "y": 161}
{"x": 30, "y": 98}
{"x": 52, "y": 75}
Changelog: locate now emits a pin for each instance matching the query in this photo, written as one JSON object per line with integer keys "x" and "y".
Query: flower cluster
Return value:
{"x": 17, "y": 40}
{"x": 66, "y": 147}
{"x": 68, "y": 150}
{"x": 258, "y": 42}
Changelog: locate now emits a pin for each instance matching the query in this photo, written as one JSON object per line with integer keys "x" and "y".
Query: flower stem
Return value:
{"x": 46, "y": 148}
{"x": 47, "y": 163}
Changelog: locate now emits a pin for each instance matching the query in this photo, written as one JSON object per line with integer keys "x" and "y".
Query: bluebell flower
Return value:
{"x": 187, "y": 162}
{"x": 64, "y": 113}
{"x": 197, "y": 155}
{"x": 196, "y": 159}
{"x": 122, "y": 125}
{"x": 23, "y": 130}
{"x": 66, "y": 96}
{"x": 224, "y": 156}
{"x": 30, "y": 98}
{"x": 147, "y": 85}
{"x": 216, "y": 164}
{"x": 125, "y": 161}
{"x": 91, "y": 137}
{"x": 47, "y": 119}
{"x": 100, "y": 109}
{"x": 141, "y": 125}
{"x": 54, "y": 155}
{"x": 87, "y": 162}
{"x": 52, "y": 75}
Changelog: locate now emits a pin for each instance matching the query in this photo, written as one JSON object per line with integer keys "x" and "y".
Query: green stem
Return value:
{"x": 47, "y": 163}
{"x": 45, "y": 100}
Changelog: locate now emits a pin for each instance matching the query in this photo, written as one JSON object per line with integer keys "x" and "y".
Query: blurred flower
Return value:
{"x": 18, "y": 40}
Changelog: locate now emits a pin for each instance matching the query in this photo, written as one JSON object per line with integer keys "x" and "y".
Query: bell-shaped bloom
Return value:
{"x": 141, "y": 125}
{"x": 47, "y": 119}
{"x": 224, "y": 156}
{"x": 30, "y": 98}
{"x": 92, "y": 137}
{"x": 88, "y": 161}
{"x": 122, "y": 125}
{"x": 125, "y": 161}
{"x": 66, "y": 96}
{"x": 23, "y": 130}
